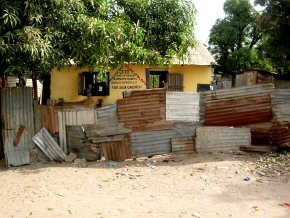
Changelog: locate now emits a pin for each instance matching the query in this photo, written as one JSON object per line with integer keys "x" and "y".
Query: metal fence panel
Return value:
{"x": 239, "y": 92}
{"x": 280, "y": 96}
{"x": 72, "y": 117}
{"x": 217, "y": 139}
{"x": 48, "y": 146}
{"x": 182, "y": 106}
{"x": 238, "y": 106}
{"x": 17, "y": 111}
{"x": 151, "y": 143}
{"x": 142, "y": 109}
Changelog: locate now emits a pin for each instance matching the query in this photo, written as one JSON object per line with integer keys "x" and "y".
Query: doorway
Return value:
{"x": 156, "y": 78}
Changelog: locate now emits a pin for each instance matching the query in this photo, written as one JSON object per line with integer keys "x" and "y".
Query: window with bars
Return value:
{"x": 97, "y": 82}
{"x": 175, "y": 82}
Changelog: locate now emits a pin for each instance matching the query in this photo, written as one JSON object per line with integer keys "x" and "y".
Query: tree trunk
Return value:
{"x": 3, "y": 80}
{"x": 35, "y": 91}
{"x": 45, "y": 89}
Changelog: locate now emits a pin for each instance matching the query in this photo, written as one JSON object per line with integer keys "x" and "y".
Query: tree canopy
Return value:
{"x": 275, "y": 26}
{"x": 235, "y": 40}
{"x": 36, "y": 35}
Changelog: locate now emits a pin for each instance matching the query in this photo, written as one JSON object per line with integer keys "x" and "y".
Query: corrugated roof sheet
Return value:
{"x": 197, "y": 56}
{"x": 16, "y": 111}
{"x": 182, "y": 106}
{"x": 48, "y": 146}
{"x": 151, "y": 143}
{"x": 238, "y": 106}
{"x": 217, "y": 139}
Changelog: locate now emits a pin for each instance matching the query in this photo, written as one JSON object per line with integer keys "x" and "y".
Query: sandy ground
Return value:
{"x": 209, "y": 185}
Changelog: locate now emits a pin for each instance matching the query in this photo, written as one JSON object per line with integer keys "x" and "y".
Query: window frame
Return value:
{"x": 90, "y": 78}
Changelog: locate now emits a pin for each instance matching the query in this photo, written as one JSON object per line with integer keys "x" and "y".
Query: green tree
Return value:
{"x": 234, "y": 40}
{"x": 275, "y": 25}
{"x": 37, "y": 35}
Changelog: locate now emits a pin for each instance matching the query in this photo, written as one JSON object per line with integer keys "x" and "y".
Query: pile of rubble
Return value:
{"x": 273, "y": 165}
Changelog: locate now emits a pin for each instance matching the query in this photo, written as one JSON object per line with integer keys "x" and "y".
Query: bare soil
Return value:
{"x": 208, "y": 185}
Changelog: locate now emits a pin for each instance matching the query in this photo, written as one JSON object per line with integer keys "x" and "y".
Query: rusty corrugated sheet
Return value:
{"x": 151, "y": 143}
{"x": 239, "y": 92}
{"x": 238, "y": 106}
{"x": 117, "y": 150}
{"x": 143, "y": 109}
{"x": 48, "y": 146}
{"x": 49, "y": 118}
{"x": 16, "y": 111}
{"x": 73, "y": 117}
{"x": 281, "y": 134}
{"x": 218, "y": 139}
{"x": 182, "y": 145}
{"x": 182, "y": 106}
{"x": 261, "y": 134}
{"x": 239, "y": 111}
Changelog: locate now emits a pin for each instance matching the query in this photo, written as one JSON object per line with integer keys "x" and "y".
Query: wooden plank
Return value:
{"x": 254, "y": 148}
{"x": 18, "y": 135}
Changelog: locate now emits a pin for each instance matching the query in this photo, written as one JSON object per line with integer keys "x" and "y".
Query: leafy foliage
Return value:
{"x": 36, "y": 35}
{"x": 275, "y": 24}
{"x": 235, "y": 40}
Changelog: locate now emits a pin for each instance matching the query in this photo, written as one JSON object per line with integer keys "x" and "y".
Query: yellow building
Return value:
{"x": 189, "y": 75}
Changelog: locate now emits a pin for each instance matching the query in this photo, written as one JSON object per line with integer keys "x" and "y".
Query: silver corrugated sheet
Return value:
{"x": 73, "y": 117}
{"x": 151, "y": 143}
{"x": 182, "y": 106}
{"x": 48, "y": 146}
{"x": 217, "y": 139}
{"x": 185, "y": 129}
{"x": 107, "y": 123}
{"x": 196, "y": 56}
{"x": 239, "y": 92}
{"x": 183, "y": 142}
{"x": 280, "y": 96}
{"x": 281, "y": 111}
{"x": 16, "y": 111}
{"x": 182, "y": 145}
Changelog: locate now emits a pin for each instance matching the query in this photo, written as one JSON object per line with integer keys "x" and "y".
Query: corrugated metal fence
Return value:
{"x": 182, "y": 106}
{"x": 238, "y": 106}
{"x": 17, "y": 124}
{"x": 72, "y": 117}
{"x": 213, "y": 139}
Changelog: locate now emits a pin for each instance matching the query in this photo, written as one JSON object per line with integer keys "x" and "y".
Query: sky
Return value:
{"x": 208, "y": 11}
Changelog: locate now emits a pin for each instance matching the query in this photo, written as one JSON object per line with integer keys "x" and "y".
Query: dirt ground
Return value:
{"x": 208, "y": 185}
